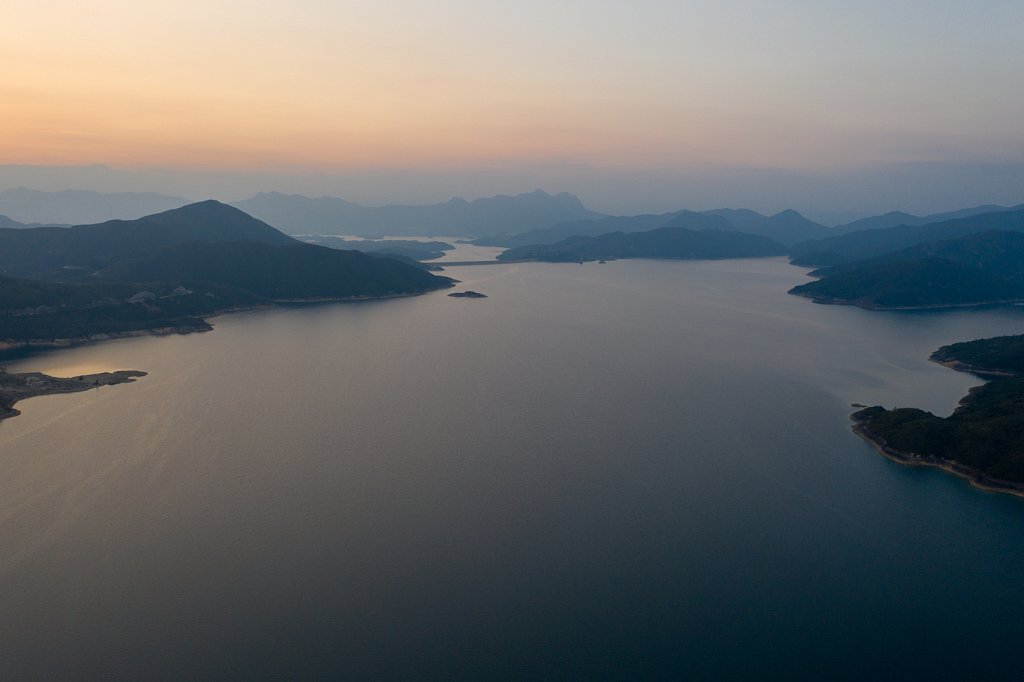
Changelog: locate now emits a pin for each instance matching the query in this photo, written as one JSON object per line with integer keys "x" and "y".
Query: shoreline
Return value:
{"x": 21, "y": 386}
{"x": 828, "y": 300}
{"x": 17, "y": 387}
{"x": 74, "y": 342}
{"x": 972, "y": 369}
{"x": 34, "y": 345}
{"x": 975, "y": 478}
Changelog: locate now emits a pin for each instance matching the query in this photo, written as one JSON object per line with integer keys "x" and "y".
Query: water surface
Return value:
{"x": 631, "y": 470}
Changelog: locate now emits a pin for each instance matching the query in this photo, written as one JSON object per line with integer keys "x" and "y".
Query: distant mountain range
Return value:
{"x": 896, "y": 218}
{"x": 298, "y": 214}
{"x": 532, "y": 218}
{"x": 675, "y": 242}
{"x": 166, "y": 271}
{"x": 811, "y": 243}
{"x": 787, "y": 227}
{"x": 7, "y": 223}
{"x": 590, "y": 227}
{"x": 856, "y": 246}
{"x": 459, "y": 218}
{"x": 76, "y": 207}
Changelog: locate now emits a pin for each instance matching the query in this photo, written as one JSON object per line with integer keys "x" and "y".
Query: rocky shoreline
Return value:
{"x": 973, "y": 476}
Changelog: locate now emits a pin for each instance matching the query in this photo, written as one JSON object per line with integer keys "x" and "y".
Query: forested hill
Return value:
{"x": 169, "y": 270}
{"x": 70, "y": 252}
{"x": 979, "y": 268}
{"x": 665, "y": 242}
{"x": 983, "y": 440}
{"x": 293, "y": 271}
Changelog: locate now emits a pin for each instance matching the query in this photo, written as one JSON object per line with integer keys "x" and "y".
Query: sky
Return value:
{"x": 632, "y": 105}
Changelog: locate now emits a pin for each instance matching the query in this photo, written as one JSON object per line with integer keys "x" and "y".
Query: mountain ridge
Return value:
{"x": 855, "y": 246}
{"x": 78, "y": 207}
{"x": 165, "y": 272}
{"x": 69, "y": 252}
{"x": 299, "y": 214}
{"x": 786, "y": 227}
{"x": 897, "y": 218}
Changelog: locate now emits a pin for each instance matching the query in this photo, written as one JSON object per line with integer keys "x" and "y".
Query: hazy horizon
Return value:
{"x": 833, "y": 109}
{"x": 829, "y": 198}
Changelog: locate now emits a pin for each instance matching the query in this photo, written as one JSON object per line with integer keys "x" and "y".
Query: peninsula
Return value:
{"x": 170, "y": 271}
{"x": 15, "y": 387}
{"x": 983, "y": 440}
{"x": 981, "y": 268}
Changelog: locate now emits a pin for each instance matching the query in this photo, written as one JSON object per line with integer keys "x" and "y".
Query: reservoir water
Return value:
{"x": 634, "y": 470}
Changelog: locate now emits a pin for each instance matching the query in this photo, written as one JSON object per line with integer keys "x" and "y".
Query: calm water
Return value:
{"x": 633, "y": 470}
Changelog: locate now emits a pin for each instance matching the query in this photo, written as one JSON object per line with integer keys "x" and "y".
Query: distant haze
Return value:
{"x": 829, "y": 197}
{"x": 836, "y": 109}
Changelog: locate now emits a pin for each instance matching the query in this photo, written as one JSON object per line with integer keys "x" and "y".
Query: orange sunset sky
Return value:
{"x": 649, "y": 87}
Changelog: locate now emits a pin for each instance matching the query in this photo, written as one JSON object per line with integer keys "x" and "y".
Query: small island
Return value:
{"x": 467, "y": 294}
{"x": 983, "y": 440}
{"x": 15, "y": 387}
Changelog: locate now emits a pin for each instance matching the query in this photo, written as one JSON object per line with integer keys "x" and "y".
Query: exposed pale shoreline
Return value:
{"x": 18, "y": 387}
{"x": 972, "y": 369}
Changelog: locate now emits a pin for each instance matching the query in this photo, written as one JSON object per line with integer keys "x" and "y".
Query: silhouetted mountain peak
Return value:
{"x": 211, "y": 220}
{"x": 788, "y": 214}
{"x": 208, "y": 208}
{"x": 68, "y": 252}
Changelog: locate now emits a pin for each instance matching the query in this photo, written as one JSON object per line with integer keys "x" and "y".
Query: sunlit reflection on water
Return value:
{"x": 63, "y": 369}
